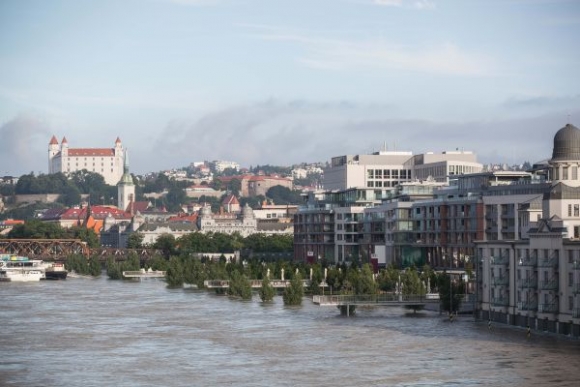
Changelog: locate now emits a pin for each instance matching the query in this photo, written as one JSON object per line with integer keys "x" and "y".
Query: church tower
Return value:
{"x": 126, "y": 188}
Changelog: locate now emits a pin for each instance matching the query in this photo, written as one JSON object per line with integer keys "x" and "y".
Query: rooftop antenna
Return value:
{"x": 568, "y": 118}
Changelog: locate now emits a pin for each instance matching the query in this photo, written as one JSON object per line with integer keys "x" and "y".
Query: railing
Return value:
{"x": 376, "y": 299}
{"x": 499, "y": 301}
{"x": 528, "y": 261}
{"x": 548, "y": 308}
{"x": 501, "y": 260}
{"x": 529, "y": 283}
{"x": 548, "y": 262}
{"x": 529, "y": 305}
{"x": 503, "y": 280}
{"x": 551, "y": 284}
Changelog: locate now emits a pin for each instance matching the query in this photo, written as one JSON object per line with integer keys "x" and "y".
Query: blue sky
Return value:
{"x": 281, "y": 82}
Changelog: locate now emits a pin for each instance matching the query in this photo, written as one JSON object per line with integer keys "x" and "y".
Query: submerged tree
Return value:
{"x": 267, "y": 291}
{"x": 293, "y": 294}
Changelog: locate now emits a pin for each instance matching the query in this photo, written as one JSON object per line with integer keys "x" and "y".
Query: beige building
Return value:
{"x": 535, "y": 281}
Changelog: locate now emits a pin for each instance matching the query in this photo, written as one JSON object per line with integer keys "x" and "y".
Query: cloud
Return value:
{"x": 287, "y": 132}
{"x": 416, "y": 4}
{"x": 23, "y": 139}
{"x": 324, "y": 53}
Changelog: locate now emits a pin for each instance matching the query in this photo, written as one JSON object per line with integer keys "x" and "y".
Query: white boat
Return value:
{"x": 20, "y": 269}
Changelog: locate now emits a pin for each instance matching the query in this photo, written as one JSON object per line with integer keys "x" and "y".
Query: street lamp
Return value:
{"x": 490, "y": 310}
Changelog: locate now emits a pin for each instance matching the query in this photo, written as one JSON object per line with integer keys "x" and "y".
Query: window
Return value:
{"x": 570, "y": 279}
{"x": 569, "y": 210}
{"x": 370, "y": 184}
{"x": 570, "y": 302}
{"x": 370, "y": 174}
{"x": 574, "y": 173}
{"x": 565, "y": 173}
{"x": 394, "y": 173}
{"x": 379, "y": 174}
{"x": 576, "y": 210}
{"x": 387, "y": 173}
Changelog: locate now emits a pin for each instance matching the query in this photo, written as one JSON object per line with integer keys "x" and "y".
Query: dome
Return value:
{"x": 567, "y": 143}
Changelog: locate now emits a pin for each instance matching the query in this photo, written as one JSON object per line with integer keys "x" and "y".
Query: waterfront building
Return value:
{"x": 107, "y": 162}
{"x": 531, "y": 277}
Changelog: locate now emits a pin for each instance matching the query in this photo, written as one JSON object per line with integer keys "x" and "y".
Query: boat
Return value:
{"x": 14, "y": 268}
{"x": 55, "y": 271}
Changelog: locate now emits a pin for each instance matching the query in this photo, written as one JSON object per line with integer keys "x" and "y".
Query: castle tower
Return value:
{"x": 126, "y": 188}
{"x": 53, "y": 149}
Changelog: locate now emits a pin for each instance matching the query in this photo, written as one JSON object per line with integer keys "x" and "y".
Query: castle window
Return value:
{"x": 576, "y": 210}
{"x": 565, "y": 173}
{"x": 574, "y": 173}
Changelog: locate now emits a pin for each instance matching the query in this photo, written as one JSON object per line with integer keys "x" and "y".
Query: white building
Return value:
{"x": 222, "y": 165}
{"x": 107, "y": 162}
{"x": 387, "y": 169}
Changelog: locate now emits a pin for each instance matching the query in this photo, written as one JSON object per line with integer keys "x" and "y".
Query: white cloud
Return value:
{"x": 389, "y": 3}
{"x": 415, "y": 4}
{"x": 335, "y": 54}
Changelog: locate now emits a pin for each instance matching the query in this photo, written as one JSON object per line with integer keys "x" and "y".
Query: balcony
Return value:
{"x": 528, "y": 261}
{"x": 500, "y": 281}
{"x": 548, "y": 308}
{"x": 499, "y": 301}
{"x": 548, "y": 285}
{"x": 529, "y": 283}
{"x": 529, "y": 305}
{"x": 501, "y": 260}
{"x": 551, "y": 262}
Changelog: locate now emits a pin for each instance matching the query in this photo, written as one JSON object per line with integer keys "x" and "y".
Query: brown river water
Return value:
{"x": 98, "y": 332}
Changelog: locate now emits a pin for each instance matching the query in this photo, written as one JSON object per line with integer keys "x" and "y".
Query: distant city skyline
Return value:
{"x": 263, "y": 82}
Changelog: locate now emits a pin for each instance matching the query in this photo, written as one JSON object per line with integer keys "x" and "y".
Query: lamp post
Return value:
{"x": 490, "y": 310}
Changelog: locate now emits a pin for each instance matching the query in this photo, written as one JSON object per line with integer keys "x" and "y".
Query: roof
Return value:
{"x": 230, "y": 199}
{"x": 567, "y": 143}
{"x": 53, "y": 140}
{"x": 97, "y": 212}
{"x": 141, "y": 206}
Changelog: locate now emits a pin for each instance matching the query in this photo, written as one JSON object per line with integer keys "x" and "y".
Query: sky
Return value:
{"x": 282, "y": 82}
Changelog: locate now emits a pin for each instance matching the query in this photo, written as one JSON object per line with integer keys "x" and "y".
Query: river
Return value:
{"x": 99, "y": 332}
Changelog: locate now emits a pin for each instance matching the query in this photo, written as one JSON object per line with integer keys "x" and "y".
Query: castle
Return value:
{"x": 107, "y": 162}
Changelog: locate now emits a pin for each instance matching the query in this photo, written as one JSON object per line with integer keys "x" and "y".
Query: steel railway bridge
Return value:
{"x": 60, "y": 249}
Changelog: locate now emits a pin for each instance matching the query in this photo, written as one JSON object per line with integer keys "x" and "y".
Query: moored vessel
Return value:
{"x": 55, "y": 271}
{"x": 20, "y": 269}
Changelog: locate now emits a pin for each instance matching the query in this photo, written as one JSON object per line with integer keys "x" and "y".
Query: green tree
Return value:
{"x": 166, "y": 243}
{"x": 293, "y": 294}
{"x": 174, "y": 274}
{"x": 267, "y": 291}
{"x": 36, "y": 229}
{"x": 240, "y": 286}
{"x": 135, "y": 240}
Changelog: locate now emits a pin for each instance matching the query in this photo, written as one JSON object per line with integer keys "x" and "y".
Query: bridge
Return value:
{"x": 256, "y": 284}
{"x": 375, "y": 300}
{"x": 60, "y": 249}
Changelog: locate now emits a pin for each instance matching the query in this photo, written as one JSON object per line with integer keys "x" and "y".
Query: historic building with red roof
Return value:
{"x": 107, "y": 162}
